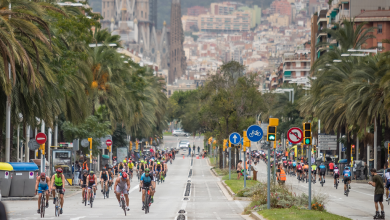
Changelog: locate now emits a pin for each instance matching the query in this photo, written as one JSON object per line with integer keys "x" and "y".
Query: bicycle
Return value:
{"x": 43, "y": 202}
{"x": 85, "y": 194}
{"x": 147, "y": 199}
{"x": 57, "y": 206}
{"x": 123, "y": 202}
{"x": 347, "y": 191}
{"x": 322, "y": 181}
{"x": 91, "y": 195}
{"x": 157, "y": 177}
{"x": 337, "y": 184}
{"x": 105, "y": 193}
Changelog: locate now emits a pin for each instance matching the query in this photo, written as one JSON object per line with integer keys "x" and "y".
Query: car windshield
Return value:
{"x": 184, "y": 142}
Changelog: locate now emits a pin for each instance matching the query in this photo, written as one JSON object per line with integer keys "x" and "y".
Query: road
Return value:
{"x": 206, "y": 199}
{"x": 358, "y": 205}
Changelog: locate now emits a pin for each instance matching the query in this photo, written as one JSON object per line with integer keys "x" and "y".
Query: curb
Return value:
{"x": 256, "y": 216}
{"x": 32, "y": 198}
{"x": 232, "y": 194}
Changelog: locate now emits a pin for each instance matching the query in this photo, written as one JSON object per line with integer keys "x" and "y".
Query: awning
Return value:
{"x": 287, "y": 73}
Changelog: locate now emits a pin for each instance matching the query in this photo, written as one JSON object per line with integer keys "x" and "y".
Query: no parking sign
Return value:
{"x": 31, "y": 175}
{"x": 6, "y": 174}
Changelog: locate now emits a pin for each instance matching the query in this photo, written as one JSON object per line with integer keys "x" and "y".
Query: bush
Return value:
{"x": 281, "y": 197}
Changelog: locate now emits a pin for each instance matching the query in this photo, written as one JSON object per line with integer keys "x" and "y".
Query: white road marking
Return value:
{"x": 216, "y": 215}
{"x": 239, "y": 204}
{"x": 208, "y": 190}
{"x": 77, "y": 218}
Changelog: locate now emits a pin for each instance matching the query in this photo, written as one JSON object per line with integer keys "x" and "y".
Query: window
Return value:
{"x": 379, "y": 46}
{"x": 379, "y": 28}
{"x": 142, "y": 14}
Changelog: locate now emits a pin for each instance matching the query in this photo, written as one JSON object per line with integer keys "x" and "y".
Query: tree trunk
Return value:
{"x": 365, "y": 152}
{"x": 338, "y": 143}
{"x": 11, "y": 143}
{"x": 237, "y": 156}
{"x": 380, "y": 156}
{"x": 386, "y": 137}
{"x": 362, "y": 149}
{"x": 220, "y": 157}
{"x": 1, "y": 144}
{"x": 233, "y": 158}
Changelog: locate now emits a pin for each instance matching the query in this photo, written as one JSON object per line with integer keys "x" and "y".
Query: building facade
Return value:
{"x": 238, "y": 21}
{"x": 197, "y": 10}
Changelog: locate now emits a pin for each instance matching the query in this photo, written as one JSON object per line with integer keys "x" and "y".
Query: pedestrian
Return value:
{"x": 76, "y": 173}
{"x": 281, "y": 174}
{"x": 255, "y": 170}
{"x": 198, "y": 149}
{"x": 239, "y": 168}
{"x": 377, "y": 182}
{"x": 193, "y": 148}
{"x": 189, "y": 150}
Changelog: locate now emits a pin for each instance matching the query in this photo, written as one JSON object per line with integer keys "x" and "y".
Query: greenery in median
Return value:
{"x": 237, "y": 186}
{"x": 281, "y": 197}
{"x": 295, "y": 213}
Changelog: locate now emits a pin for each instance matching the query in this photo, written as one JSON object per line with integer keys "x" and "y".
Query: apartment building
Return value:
{"x": 225, "y": 8}
{"x": 238, "y": 21}
{"x": 379, "y": 19}
{"x": 296, "y": 65}
{"x": 282, "y": 7}
{"x": 197, "y": 10}
{"x": 278, "y": 20}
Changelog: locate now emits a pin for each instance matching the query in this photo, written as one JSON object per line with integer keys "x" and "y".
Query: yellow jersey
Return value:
{"x": 130, "y": 165}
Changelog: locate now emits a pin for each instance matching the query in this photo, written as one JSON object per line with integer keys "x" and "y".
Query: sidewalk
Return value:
{"x": 69, "y": 191}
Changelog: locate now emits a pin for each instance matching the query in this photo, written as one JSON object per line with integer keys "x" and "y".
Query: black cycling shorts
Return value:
{"x": 346, "y": 179}
{"x": 336, "y": 176}
{"x": 60, "y": 188}
{"x": 322, "y": 172}
{"x": 313, "y": 171}
{"x": 378, "y": 198}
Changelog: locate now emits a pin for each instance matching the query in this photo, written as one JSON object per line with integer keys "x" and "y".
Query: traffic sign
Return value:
{"x": 235, "y": 138}
{"x": 327, "y": 142}
{"x": 41, "y": 138}
{"x": 33, "y": 145}
{"x": 109, "y": 142}
{"x": 343, "y": 149}
{"x": 84, "y": 143}
{"x": 295, "y": 135}
{"x": 254, "y": 133}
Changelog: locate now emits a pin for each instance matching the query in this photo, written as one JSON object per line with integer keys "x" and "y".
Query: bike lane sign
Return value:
{"x": 295, "y": 135}
{"x": 254, "y": 133}
{"x": 235, "y": 138}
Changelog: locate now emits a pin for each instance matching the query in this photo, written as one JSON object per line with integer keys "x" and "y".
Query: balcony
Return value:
{"x": 297, "y": 57}
{"x": 343, "y": 14}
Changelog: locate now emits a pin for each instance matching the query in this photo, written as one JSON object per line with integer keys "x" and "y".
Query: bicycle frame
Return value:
{"x": 123, "y": 202}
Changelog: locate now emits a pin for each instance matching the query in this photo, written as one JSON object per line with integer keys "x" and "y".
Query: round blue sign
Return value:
{"x": 254, "y": 133}
{"x": 235, "y": 138}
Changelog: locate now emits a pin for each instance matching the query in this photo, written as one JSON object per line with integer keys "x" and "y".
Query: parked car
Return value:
{"x": 183, "y": 144}
{"x": 180, "y": 133}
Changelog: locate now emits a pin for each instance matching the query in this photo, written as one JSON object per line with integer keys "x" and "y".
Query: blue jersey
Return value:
{"x": 146, "y": 179}
{"x": 322, "y": 167}
{"x": 294, "y": 164}
{"x": 347, "y": 173}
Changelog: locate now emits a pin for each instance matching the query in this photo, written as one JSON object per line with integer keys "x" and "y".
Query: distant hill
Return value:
{"x": 164, "y": 7}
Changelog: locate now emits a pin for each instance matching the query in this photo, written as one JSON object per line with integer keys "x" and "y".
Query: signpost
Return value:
{"x": 41, "y": 140}
{"x": 327, "y": 142}
{"x": 109, "y": 145}
{"x": 235, "y": 138}
{"x": 254, "y": 133}
{"x": 295, "y": 135}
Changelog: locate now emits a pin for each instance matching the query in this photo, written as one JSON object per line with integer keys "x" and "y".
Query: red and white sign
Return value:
{"x": 41, "y": 138}
{"x": 109, "y": 142}
{"x": 295, "y": 135}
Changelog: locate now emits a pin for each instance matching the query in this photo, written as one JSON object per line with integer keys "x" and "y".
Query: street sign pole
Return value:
{"x": 230, "y": 162}
{"x": 309, "y": 147}
{"x": 274, "y": 160}
{"x": 244, "y": 170}
{"x": 269, "y": 179}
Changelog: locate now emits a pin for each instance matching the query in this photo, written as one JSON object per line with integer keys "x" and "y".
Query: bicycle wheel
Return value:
{"x": 57, "y": 212}
{"x": 123, "y": 205}
{"x": 85, "y": 198}
{"x": 91, "y": 199}
{"x": 43, "y": 205}
{"x": 146, "y": 204}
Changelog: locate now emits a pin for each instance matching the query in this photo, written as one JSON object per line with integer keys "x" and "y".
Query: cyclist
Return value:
{"x": 42, "y": 184}
{"x": 84, "y": 183}
{"x": 91, "y": 180}
{"x": 336, "y": 174}
{"x": 104, "y": 179}
{"x": 347, "y": 178}
{"x": 122, "y": 185}
{"x": 130, "y": 165}
{"x": 110, "y": 175}
{"x": 58, "y": 180}
{"x": 322, "y": 169}
{"x": 147, "y": 181}
{"x": 289, "y": 164}
{"x": 142, "y": 167}
{"x": 331, "y": 167}
{"x": 120, "y": 166}
{"x": 294, "y": 166}
{"x": 387, "y": 175}
{"x": 305, "y": 168}
{"x": 163, "y": 170}
{"x": 314, "y": 171}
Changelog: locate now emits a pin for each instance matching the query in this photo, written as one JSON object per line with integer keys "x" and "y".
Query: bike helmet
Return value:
{"x": 43, "y": 175}
{"x": 91, "y": 172}
{"x": 158, "y": 162}
{"x": 58, "y": 170}
{"x": 124, "y": 161}
{"x": 124, "y": 175}
{"x": 142, "y": 161}
{"x": 85, "y": 171}
{"x": 104, "y": 169}
{"x": 322, "y": 163}
{"x": 147, "y": 170}
{"x": 110, "y": 167}
{"x": 347, "y": 168}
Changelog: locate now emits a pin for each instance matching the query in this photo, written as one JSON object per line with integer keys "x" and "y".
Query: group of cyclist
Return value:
{"x": 43, "y": 185}
{"x": 300, "y": 168}
{"x": 153, "y": 168}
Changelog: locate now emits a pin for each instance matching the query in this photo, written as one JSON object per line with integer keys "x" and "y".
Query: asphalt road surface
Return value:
{"x": 206, "y": 200}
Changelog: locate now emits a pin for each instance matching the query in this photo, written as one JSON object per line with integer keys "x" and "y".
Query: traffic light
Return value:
{"x": 315, "y": 148}
{"x": 307, "y": 133}
{"x": 136, "y": 144}
{"x": 131, "y": 145}
{"x": 271, "y": 133}
{"x": 247, "y": 142}
{"x": 353, "y": 149}
{"x": 90, "y": 143}
{"x": 388, "y": 148}
{"x": 224, "y": 144}
{"x": 230, "y": 144}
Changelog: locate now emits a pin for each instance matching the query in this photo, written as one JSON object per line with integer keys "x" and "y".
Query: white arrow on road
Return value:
{"x": 235, "y": 137}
